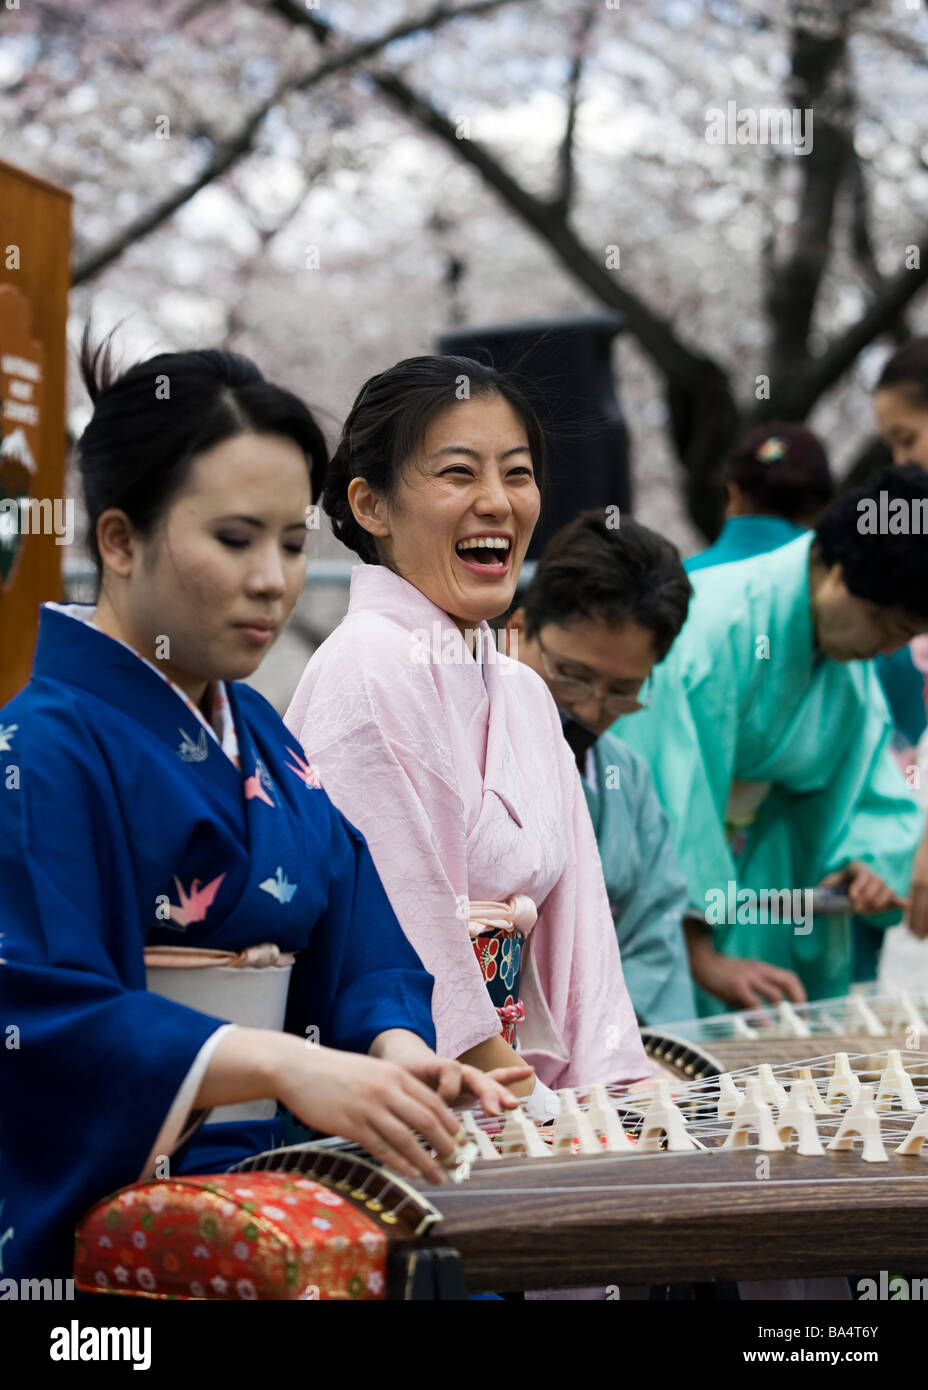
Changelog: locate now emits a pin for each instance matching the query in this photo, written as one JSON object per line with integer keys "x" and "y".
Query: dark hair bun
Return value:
{"x": 782, "y": 467}
{"x": 150, "y": 422}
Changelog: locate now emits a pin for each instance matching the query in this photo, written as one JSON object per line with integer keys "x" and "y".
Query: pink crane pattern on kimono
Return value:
{"x": 498, "y": 932}
{"x": 259, "y": 785}
{"x": 194, "y": 905}
{"x": 231, "y": 1236}
{"x": 304, "y": 770}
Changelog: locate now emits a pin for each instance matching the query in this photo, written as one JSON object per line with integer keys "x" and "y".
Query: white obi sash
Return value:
{"x": 246, "y": 987}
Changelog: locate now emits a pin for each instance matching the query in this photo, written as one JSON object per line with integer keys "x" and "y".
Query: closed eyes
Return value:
{"x": 239, "y": 543}
{"x": 463, "y": 471}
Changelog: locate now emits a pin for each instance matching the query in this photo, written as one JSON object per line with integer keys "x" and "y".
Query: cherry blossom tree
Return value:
{"x": 327, "y": 186}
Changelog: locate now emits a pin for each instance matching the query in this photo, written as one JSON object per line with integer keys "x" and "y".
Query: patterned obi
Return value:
{"x": 498, "y": 932}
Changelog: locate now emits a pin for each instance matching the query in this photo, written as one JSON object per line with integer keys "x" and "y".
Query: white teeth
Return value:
{"x": 484, "y": 543}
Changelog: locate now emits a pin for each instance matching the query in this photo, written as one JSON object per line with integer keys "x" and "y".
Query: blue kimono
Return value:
{"x": 122, "y": 825}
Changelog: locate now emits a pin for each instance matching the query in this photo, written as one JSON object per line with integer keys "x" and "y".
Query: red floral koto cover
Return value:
{"x": 231, "y": 1236}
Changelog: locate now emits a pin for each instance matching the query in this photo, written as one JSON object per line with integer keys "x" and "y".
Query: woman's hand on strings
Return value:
{"x": 747, "y": 984}
{"x": 453, "y": 1081}
{"x": 376, "y": 1103}
{"x": 742, "y": 984}
{"x": 456, "y": 1082}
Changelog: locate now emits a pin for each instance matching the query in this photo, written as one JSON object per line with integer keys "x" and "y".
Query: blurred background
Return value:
{"x": 328, "y": 187}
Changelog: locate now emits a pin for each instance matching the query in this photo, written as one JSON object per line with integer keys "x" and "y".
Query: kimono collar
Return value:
{"x": 221, "y": 727}
{"x": 758, "y": 534}
{"x": 375, "y": 588}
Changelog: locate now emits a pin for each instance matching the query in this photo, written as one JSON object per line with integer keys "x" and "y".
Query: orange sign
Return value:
{"x": 21, "y": 390}
{"x": 36, "y": 518}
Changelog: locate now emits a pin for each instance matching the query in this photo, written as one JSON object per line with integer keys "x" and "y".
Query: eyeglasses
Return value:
{"x": 572, "y": 690}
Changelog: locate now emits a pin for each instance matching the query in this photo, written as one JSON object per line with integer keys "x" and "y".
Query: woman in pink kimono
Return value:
{"x": 448, "y": 755}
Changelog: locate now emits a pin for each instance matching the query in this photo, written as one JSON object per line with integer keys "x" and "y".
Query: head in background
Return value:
{"x": 900, "y": 403}
{"x": 438, "y": 476}
{"x": 197, "y": 476}
{"x": 779, "y": 469}
{"x": 868, "y": 567}
{"x": 602, "y": 609}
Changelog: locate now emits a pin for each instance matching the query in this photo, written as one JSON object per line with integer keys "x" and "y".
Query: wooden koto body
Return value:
{"x": 735, "y": 1053}
{"x": 632, "y": 1215}
{"x": 683, "y": 1218}
{"x": 695, "y": 1061}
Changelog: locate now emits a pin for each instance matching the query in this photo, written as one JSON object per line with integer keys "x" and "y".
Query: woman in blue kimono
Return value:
{"x": 149, "y": 799}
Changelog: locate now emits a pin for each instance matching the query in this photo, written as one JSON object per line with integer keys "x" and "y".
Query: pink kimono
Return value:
{"x": 459, "y": 777}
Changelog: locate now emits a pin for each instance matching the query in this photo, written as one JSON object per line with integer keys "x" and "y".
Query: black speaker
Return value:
{"x": 567, "y": 365}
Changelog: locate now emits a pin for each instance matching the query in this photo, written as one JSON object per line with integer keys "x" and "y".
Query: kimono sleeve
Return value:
{"x": 574, "y": 961}
{"x": 360, "y": 976}
{"x": 650, "y": 924}
{"x": 413, "y": 824}
{"x": 97, "y": 1061}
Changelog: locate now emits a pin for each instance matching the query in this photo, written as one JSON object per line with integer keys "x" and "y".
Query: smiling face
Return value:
{"x": 903, "y": 425}
{"x": 220, "y": 574}
{"x": 848, "y": 628}
{"x": 461, "y": 516}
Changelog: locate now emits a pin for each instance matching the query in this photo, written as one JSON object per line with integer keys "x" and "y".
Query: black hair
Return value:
{"x": 627, "y": 574}
{"x": 907, "y": 371}
{"x": 885, "y": 567}
{"x": 150, "y": 422}
{"x": 782, "y": 469}
{"x": 388, "y": 421}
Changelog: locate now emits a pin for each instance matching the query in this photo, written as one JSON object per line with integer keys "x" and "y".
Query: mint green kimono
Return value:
{"x": 744, "y": 536}
{"x": 647, "y": 892}
{"x": 745, "y": 696}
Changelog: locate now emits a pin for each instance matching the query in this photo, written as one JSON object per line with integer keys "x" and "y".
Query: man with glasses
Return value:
{"x": 603, "y": 608}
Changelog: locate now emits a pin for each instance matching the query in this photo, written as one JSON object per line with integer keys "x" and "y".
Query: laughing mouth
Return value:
{"x": 492, "y": 551}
